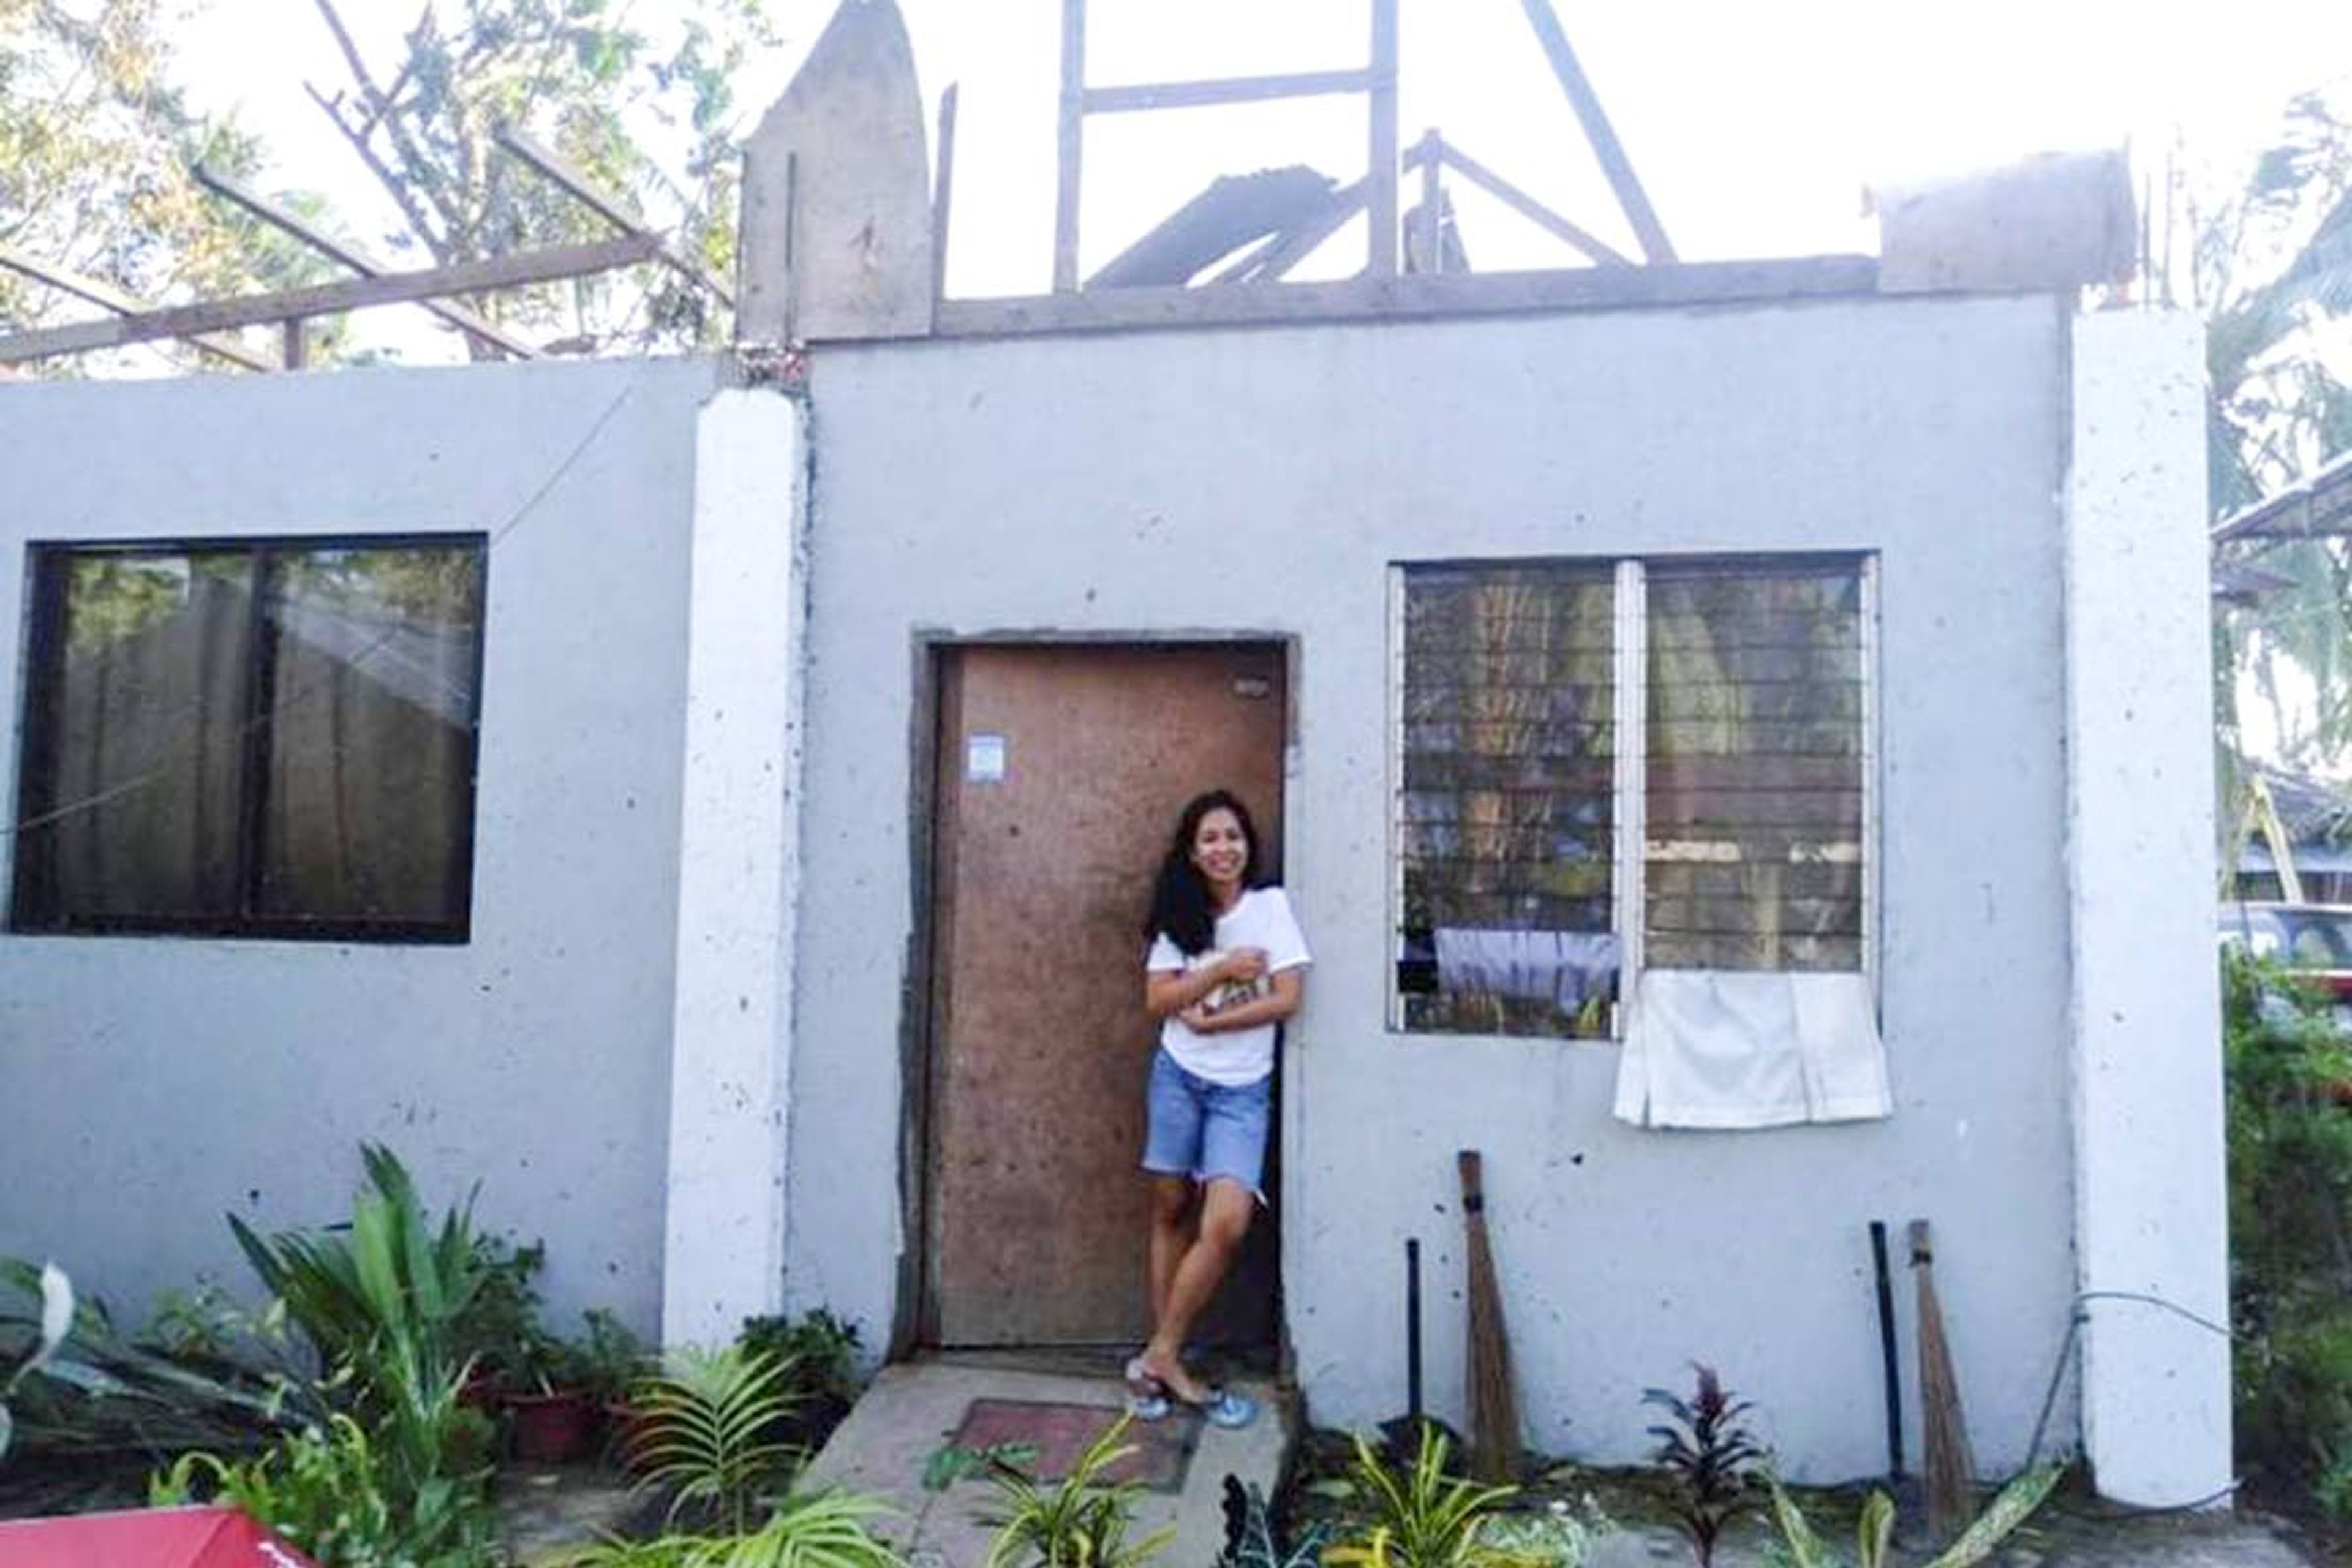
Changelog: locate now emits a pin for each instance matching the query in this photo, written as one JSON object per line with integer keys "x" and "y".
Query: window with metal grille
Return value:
{"x": 1607, "y": 765}
{"x": 252, "y": 738}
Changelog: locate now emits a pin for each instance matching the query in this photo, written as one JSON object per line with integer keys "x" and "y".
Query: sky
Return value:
{"x": 1755, "y": 126}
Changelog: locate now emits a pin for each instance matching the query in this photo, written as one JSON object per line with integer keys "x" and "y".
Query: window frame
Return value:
{"x": 47, "y": 576}
{"x": 1629, "y": 773}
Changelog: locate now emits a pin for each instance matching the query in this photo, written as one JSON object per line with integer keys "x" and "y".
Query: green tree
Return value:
{"x": 2271, "y": 272}
{"x": 648, "y": 116}
{"x": 95, "y": 149}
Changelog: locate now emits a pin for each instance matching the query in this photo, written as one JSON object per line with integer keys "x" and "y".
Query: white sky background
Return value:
{"x": 1755, "y": 125}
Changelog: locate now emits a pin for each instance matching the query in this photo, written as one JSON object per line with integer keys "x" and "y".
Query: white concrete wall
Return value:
{"x": 2151, "y": 1208}
{"x": 738, "y": 870}
{"x": 1263, "y": 480}
{"x": 152, "y": 1083}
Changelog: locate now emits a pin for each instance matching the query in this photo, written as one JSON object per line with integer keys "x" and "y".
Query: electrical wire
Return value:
{"x": 515, "y": 520}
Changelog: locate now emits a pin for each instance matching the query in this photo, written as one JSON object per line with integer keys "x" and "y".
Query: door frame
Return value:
{"x": 915, "y": 1316}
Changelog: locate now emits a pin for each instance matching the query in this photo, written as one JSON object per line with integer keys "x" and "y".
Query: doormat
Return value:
{"x": 1060, "y": 1433}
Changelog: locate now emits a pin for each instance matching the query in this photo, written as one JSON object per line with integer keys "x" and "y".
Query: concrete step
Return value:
{"x": 914, "y": 1409}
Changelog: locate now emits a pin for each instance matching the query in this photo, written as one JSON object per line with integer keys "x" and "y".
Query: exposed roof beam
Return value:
{"x": 1598, "y": 130}
{"x": 333, "y": 298}
{"x": 550, "y": 164}
{"x": 98, "y": 291}
{"x": 358, "y": 260}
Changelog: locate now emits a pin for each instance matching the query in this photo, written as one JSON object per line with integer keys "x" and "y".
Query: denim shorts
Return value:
{"x": 1204, "y": 1130}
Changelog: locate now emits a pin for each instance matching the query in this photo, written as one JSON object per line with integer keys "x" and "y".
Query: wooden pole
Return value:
{"x": 1070, "y": 145}
{"x": 298, "y": 349}
{"x": 1432, "y": 239}
{"x": 1528, "y": 207}
{"x": 358, "y": 260}
{"x": 98, "y": 291}
{"x": 943, "y": 193}
{"x": 1380, "y": 177}
{"x": 1597, "y": 130}
{"x": 331, "y": 299}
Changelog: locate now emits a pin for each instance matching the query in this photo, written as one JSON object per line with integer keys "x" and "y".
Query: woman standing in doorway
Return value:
{"x": 1227, "y": 964}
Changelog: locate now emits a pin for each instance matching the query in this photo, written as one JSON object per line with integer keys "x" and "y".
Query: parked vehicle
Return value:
{"x": 2314, "y": 941}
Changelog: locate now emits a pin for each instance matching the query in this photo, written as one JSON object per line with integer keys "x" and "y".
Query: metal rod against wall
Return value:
{"x": 1382, "y": 171}
{"x": 1070, "y": 145}
{"x": 1413, "y": 1327}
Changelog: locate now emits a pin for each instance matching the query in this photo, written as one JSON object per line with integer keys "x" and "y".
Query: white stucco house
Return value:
{"x": 1734, "y": 736}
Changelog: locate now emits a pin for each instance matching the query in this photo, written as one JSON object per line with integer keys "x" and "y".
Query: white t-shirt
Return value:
{"x": 1261, "y": 916}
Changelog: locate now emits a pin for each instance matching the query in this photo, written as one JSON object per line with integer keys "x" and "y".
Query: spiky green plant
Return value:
{"x": 817, "y": 1529}
{"x": 1079, "y": 1521}
{"x": 1424, "y": 1518}
{"x": 704, "y": 1432}
{"x": 1874, "y": 1531}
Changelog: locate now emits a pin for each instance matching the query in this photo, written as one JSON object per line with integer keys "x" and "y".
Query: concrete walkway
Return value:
{"x": 913, "y": 1410}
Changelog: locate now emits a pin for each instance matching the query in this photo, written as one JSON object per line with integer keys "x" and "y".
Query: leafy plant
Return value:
{"x": 382, "y": 1304}
{"x": 499, "y": 1328}
{"x": 1423, "y": 1519}
{"x": 98, "y": 1394}
{"x": 1079, "y": 1521}
{"x": 329, "y": 1490}
{"x": 384, "y": 1299}
{"x": 819, "y": 1530}
{"x": 950, "y": 1462}
{"x": 57, "y": 1320}
{"x": 1708, "y": 1453}
{"x": 704, "y": 1432}
{"x": 1874, "y": 1531}
{"x": 820, "y": 1348}
{"x": 1255, "y": 1537}
{"x": 611, "y": 1361}
{"x": 2290, "y": 1228}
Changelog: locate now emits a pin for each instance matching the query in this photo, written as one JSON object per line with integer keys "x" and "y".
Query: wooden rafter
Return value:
{"x": 98, "y": 291}
{"x": 554, "y": 166}
{"x": 358, "y": 260}
{"x": 333, "y": 298}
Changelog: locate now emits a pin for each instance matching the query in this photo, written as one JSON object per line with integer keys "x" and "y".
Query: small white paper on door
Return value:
{"x": 983, "y": 759}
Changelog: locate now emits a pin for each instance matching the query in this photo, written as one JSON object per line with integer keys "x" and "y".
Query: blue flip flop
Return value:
{"x": 1225, "y": 1408}
{"x": 1146, "y": 1397}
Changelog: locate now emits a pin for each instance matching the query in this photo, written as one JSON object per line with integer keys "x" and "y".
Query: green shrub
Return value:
{"x": 330, "y": 1491}
{"x": 1424, "y": 1518}
{"x": 704, "y": 1432}
{"x": 1078, "y": 1521}
{"x": 2290, "y": 1229}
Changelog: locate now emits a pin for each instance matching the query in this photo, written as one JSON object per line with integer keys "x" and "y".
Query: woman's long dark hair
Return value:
{"x": 1179, "y": 899}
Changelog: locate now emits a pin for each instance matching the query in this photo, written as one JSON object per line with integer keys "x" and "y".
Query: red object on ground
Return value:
{"x": 146, "y": 1538}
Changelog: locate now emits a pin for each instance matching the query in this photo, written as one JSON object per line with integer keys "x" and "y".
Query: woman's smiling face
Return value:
{"x": 1221, "y": 850}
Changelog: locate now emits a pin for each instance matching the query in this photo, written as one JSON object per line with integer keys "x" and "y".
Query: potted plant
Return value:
{"x": 612, "y": 1364}
{"x": 551, "y": 1413}
{"x": 820, "y": 1352}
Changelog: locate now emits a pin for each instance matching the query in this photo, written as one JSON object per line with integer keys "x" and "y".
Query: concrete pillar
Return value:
{"x": 2150, "y": 1205}
{"x": 730, "y": 1067}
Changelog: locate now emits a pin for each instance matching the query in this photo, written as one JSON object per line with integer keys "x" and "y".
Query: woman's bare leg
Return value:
{"x": 1225, "y": 1210}
{"x": 1170, "y": 1197}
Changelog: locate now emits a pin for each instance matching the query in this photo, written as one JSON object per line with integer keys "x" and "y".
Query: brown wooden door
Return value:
{"x": 1060, "y": 770}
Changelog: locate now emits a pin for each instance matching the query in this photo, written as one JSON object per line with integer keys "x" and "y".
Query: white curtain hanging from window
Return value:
{"x": 1714, "y": 1048}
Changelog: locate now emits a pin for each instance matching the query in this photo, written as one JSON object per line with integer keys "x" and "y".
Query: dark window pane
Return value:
{"x": 138, "y": 789}
{"x": 368, "y": 808}
{"x": 1504, "y": 826}
{"x": 1755, "y": 772}
{"x": 270, "y": 738}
